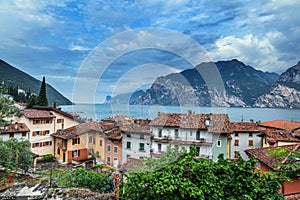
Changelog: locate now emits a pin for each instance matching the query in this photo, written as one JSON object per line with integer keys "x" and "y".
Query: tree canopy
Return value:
{"x": 42, "y": 98}
{"x": 15, "y": 154}
{"x": 7, "y": 106}
{"x": 187, "y": 177}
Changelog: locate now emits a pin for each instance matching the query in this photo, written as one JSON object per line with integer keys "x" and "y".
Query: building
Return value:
{"x": 244, "y": 135}
{"x": 18, "y": 130}
{"x": 279, "y": 132}
{"x": 207, "y": 132}
{"x": 42, "y": 122}
{"x": 136, "y": 140}
{"x": 267, "y": 163}
{"x": 113, "y": 145}
{"x": 81, "y": 142}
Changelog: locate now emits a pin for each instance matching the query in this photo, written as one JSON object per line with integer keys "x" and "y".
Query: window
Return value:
{"x": 128, "y": 135}
{"x": 47, "y": 132}
{"x": 108, "y": 148}
{"x": 76, "y": 153}
{"x": 176, "y": 134}
{"x": 98, "y": 154}
{"x": 48, "y": 143}
{"x": 142, "y": 136}
{"x": 128, "y": 145}
{"x": 250, "y": 134}
{"x": 60, "y": 121}
{"x": 127, "y": 156}
{"x": 159, "y": 133}
{"x": 236, "y": 154}
{"x": 142, "y": 147}
{"x": 36, "y": 121}
{"x": 11, "y": 135}
{"x": 40, "y": 133}
{"x": 91, "y": 139}
{"x": 197, "y": 151}
{"x": 141, "y": 157}
{"x": 24, "y": 134}
{"x": 37, "y": 144}
{"x": 108, "y": 160}
{"x": 236, "y": 134}
{"x": 198, "y": 135}
{"x": 159, "y": 147}
{"x": 76, "y": 141}
{"x": 219, "y": 143}
{"x": 236, "y": 142}
{"x": 35, "y": 133}
{"x": 100, "y": 143}
{"x": 250, "y": 143}
{"x": 115, "y": 149}
{"x": 191, "y": 133}
{"x": 91, "y": 151}
{"x": 58, "y": 151}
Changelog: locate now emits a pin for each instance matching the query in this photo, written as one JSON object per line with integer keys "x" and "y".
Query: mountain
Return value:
{"x": 14, "y": 77}
{"x": 285, "y": 93}
{"x": 238, "y": 86}
{"x": 127, "y": 97}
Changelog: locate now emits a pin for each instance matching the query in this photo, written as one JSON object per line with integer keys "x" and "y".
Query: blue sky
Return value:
{"x": 68, "y": 41}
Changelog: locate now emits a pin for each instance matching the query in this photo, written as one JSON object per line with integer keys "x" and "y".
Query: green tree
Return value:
{"x": 188, "y": 177}
{"x": 32, "y": 101}
{"x": 83, "y": 178}
{"x": 15, "y": 154}
{"x": 7, "y": 106}
{"x": 42, "y": 98}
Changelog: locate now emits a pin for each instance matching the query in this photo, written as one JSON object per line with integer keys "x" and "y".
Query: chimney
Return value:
{"x": 62, "y": 129}
{"x": 251, "y": 120}
{"x": 190, "y": 112}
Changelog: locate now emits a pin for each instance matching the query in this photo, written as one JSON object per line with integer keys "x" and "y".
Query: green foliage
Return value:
{"x": 83, "y": 178}
{"x": 189, "y": 178}
{"x": 291, "y": 165}
{"x": 47, "y": 157}
{"x": 32, "y": 101}
{"x": 15, "y": 154}
{"x": 42, "y": 98}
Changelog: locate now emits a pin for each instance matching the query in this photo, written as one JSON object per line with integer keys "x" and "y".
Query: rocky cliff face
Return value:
{"x": 240, "y": 86}
{"x": 285, "y": 93}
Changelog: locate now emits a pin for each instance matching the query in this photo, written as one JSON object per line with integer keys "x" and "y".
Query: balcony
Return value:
{"x": 164, "y": 139}
{"x": 62, "y": 146}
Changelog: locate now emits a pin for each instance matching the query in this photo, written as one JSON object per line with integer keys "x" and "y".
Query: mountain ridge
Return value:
{"x": 240, "y": 85}
{"x": 12, "y": 76}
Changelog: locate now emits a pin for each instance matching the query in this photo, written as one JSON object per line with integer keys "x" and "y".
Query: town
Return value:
{"x": 122, "y": 142}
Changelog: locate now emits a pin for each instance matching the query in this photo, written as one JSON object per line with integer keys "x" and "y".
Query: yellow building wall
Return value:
{"x": 95, "y": 145}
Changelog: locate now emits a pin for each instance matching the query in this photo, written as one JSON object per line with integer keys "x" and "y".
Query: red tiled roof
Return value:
{"x": 37, "y": 114}
{"x": 282, "y": 136}
{"x": 49, "y": 108}
{"x": 83, "y": 128}
{"x": 131, "y": 162}
{"x": 219, "y": 123}
{"x": 245, "y": 127}
{"x": 262, "y": 154}
{"x": 13, "y": 128}
{"x": 114, "y": 134}
{"x": 281, "y": 124}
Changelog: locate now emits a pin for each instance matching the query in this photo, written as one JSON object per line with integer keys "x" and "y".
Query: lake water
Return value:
{"x": 100, "y": 111}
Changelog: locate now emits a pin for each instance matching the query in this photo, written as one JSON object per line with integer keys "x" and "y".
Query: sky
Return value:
{"x": 90, "y": 49}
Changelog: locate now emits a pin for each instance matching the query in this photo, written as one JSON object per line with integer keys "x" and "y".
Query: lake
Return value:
{"x": 100, "y": 111}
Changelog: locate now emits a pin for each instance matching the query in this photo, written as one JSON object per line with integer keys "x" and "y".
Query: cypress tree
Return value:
{"x": 42, "y": 98}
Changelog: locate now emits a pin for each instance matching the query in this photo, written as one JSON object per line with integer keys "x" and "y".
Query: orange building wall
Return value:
{"x": 82, "y": 155}
{"x": 112, "y": 154}
{"x": 291, "y": 187}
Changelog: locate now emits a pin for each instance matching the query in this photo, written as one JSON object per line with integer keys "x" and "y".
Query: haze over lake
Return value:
{"x": 100, "y": 111}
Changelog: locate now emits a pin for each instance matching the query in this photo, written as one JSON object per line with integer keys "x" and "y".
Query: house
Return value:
{"x": 131, "y": 162}
{"x": 136, "y": 136}
{"x": 17, "y": 130}
{"x": 136, "y": 140}
{"x": 81, "y": 142}
{"x": 42, "y": 122}
{"x": 268, "y": 163}
{"x": 279, "y": 132}
{"x": 207, "y": 132}
{"x": 281, "y": 125}
{"x": 244, "y": 135}
{"x": 113, "y": 145}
